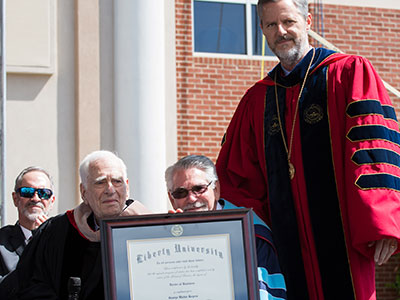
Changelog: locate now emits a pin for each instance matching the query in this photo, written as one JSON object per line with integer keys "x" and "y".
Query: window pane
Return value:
{"x": 219, "y": 27}
{"x": 257, "y": 34}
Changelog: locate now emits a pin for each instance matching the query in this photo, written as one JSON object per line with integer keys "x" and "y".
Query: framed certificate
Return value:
{"x": 203, "y": 256}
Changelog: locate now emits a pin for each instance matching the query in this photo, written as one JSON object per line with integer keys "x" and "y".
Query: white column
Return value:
{"x": 143, "y": 77}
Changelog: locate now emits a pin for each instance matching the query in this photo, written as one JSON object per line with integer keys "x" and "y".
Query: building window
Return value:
{"x": 229, "y": 27}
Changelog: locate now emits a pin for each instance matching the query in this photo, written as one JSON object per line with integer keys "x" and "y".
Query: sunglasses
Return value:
{"x": 29, "y": 192}
{"x": 180, "y": 193}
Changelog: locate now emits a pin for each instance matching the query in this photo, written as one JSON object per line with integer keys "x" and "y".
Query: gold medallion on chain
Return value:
{"x": 292, "y": 170}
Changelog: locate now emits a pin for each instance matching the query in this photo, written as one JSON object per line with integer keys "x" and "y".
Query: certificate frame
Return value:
{"x": 225, "y": 234}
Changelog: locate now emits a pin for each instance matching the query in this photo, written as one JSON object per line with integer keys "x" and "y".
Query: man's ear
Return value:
{"x": 15, "y": 198}
{"x": 217, "y": 191}
{"x": 308, "y": 22}
{"x": 83, "y": 192}
{"x": 127, "y": 188}
{"x": 52, "y": 200}
{"x": 172, "y": 201}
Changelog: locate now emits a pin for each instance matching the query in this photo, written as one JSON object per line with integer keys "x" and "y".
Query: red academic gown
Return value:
{"x": 346, "y": 188}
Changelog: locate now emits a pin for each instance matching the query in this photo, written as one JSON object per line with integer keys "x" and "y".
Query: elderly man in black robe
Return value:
{"x": 68, "y": 245}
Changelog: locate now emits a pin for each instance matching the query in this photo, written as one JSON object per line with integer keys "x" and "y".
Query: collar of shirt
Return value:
{"x": 27, "y": 233}
{"x": 220, "y": 205}
{"x": 92, "y": 222}
{"x": 286, "y": 72}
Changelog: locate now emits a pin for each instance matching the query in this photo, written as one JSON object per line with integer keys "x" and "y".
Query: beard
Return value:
{"x": 39, "y": 210}
{"x": 290, "y": 56}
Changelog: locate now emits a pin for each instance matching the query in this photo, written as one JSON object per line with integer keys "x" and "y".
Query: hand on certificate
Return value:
{"x": 384, "y": 249}
{"x": 173, "y": 211}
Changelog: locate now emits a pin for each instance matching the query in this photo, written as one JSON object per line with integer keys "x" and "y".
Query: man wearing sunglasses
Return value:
{"x": 193, "y": 186}
{"x": 68, "y": 246}
{"x": 34, "y": 198}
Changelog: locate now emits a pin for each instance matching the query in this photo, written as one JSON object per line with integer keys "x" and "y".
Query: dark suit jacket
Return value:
{"x": 12, "y": 243}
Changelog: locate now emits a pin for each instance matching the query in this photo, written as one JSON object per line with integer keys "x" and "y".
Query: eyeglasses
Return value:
{"x": 180, "y": 193}
{"x": 29, "y": 192}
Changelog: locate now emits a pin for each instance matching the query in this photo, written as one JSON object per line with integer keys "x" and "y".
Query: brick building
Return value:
{"x": 209, "y": 86}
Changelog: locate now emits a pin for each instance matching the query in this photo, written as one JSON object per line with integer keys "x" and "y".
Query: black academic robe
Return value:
{"x": 59, "y": 251}
{"x": 12, "y": 244}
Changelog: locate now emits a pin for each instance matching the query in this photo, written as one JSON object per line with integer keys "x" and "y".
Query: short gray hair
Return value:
{"x": 302, "y": 6}
{"x": 25, "y": 171}
{"x": 200, "y": 162}
{"x": 96, "y": 155}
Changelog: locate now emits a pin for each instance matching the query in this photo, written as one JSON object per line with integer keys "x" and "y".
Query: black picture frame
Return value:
{"x": 188, "y": 256}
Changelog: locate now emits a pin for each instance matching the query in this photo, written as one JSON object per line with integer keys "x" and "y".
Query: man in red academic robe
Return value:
{"x": 314, "y": 148}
